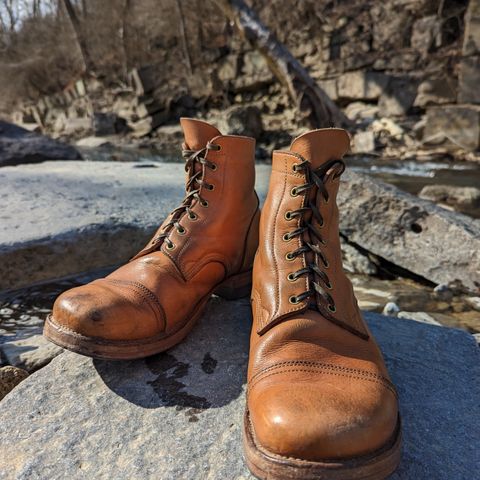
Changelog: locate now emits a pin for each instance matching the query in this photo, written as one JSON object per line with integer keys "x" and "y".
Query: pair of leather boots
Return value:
{"x": 320, "y": 404}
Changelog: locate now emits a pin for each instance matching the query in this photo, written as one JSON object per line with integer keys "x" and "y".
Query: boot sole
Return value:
{"x": 269, "y": 466}
{"x": 235, "y": 287}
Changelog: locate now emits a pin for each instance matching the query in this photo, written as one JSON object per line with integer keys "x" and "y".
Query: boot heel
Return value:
{"x": 237, "y": 286}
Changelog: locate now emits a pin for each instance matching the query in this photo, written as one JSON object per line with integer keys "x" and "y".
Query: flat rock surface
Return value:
{"x": 178, "y": 415}
{"x": 31, "y": 353}
{"x": 18, "y": 146}
{"x": 60, "y": 218}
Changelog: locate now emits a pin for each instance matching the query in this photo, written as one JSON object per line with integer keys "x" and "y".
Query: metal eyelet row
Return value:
{"x": 294, "y": 300}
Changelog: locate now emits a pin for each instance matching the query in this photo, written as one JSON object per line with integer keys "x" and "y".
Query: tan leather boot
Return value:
{"x": 320, "y": 401}
{"x": 205, "y": 246}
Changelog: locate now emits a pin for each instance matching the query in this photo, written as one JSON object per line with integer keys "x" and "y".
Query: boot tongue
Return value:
{"x": 197, "y": 133}
{"x": 320, "y": 146}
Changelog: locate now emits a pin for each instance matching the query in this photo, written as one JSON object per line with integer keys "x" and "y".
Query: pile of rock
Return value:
{"x": 88, "y": 108}
{"x": 18, "y": 145}
{"x": 401, "y": 60}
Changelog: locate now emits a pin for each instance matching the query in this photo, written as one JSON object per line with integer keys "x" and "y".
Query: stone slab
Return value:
{"x": 30, "y": 353}
{"x": 178, "y": 415}
{"x": 469, "y": 79}
{"x": 61, "y": 218}
{"x": 458, "y": 125}
{"x": 471, "y": 38}
{"x": 415, "y": 234}
{"x": 18, "y": 145}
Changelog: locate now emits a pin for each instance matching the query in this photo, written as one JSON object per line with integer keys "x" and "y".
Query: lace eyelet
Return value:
{"x": 213, "y": 167}
{"x": 181, "y": 231}
{"x": 295, "y": 167}
{"x": 170, "y": 247}
{"x": 204, "y": 203}
{"x": 214, "y": 147}
{"x": 288, "y": 216}
{"x": 290, "y": 257}
{"x": 193, "y": 217}
{"x": 332, "y": 308}
{"x": 294, "y": 300}
{"x": 210, "y": 187}
{"x": 293, "y": 192}
{"x": 329, "y": 285}
{"x": 327, "y": 200}
{"x": 326, "y": 264}
{"x": 287, "y": 237}
{"x": 291, "y": 277}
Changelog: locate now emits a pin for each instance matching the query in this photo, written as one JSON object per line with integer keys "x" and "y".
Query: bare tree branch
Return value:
{"x": 311, "y": 100}
{"x": 125, "y": 34}
{"x": 11, "y": 9}
{"x": 183, "y": 37}
{"x": 77, "y": 27}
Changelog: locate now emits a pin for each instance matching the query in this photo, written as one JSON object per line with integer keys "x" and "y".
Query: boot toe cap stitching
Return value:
{"x": 146, "y": 294}
{"x": 71, "y": 309}
{"x": 315, "y": 367}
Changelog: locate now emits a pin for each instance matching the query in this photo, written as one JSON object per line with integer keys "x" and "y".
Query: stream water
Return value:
{"x": 411, "y": 176}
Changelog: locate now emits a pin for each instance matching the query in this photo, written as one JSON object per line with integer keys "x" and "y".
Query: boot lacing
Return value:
{"x": 318, "y": 278}
{"x": 195, "y": 183}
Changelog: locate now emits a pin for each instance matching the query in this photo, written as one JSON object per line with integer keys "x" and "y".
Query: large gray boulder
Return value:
{"x": 18, "y": 146}
{"x": 178, "y": 415}
{"x": 61, "y": 218}
{"x": 437, "y": 244}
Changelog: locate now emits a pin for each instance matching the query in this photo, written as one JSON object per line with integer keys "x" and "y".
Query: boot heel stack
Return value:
{"x": 236, "y": 286}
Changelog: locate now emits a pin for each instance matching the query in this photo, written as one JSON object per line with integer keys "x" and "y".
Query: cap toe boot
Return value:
{"x": 204, "y": 246}
{"x": 320, "y": 403}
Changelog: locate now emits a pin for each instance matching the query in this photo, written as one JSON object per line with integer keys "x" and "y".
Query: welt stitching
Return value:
{"x": 306, "y": 465}
{"x": 328, "y": 372}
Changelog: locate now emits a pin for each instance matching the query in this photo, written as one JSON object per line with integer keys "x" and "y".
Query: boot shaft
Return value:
{"x": 285, "y": 269}
{"x": 221, "y": 217}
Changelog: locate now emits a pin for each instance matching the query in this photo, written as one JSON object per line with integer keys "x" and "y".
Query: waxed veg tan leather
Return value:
{"x": 318, "y": 387}
{"x": 161, "y": 288}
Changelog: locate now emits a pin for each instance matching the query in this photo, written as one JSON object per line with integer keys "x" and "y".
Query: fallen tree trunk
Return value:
{"x": 313, "y": 104}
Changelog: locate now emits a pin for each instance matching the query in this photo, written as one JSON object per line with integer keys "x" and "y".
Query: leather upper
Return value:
{"x": 160, "y": 288}
{"x": 318, "y": 387}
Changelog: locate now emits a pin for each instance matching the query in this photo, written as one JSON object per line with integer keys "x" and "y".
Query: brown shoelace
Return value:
{"x": 193, "y": 187}
{"x": 318, "y": 278}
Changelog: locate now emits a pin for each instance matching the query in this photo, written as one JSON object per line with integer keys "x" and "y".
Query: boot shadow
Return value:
{"x": 206, "y": 370}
